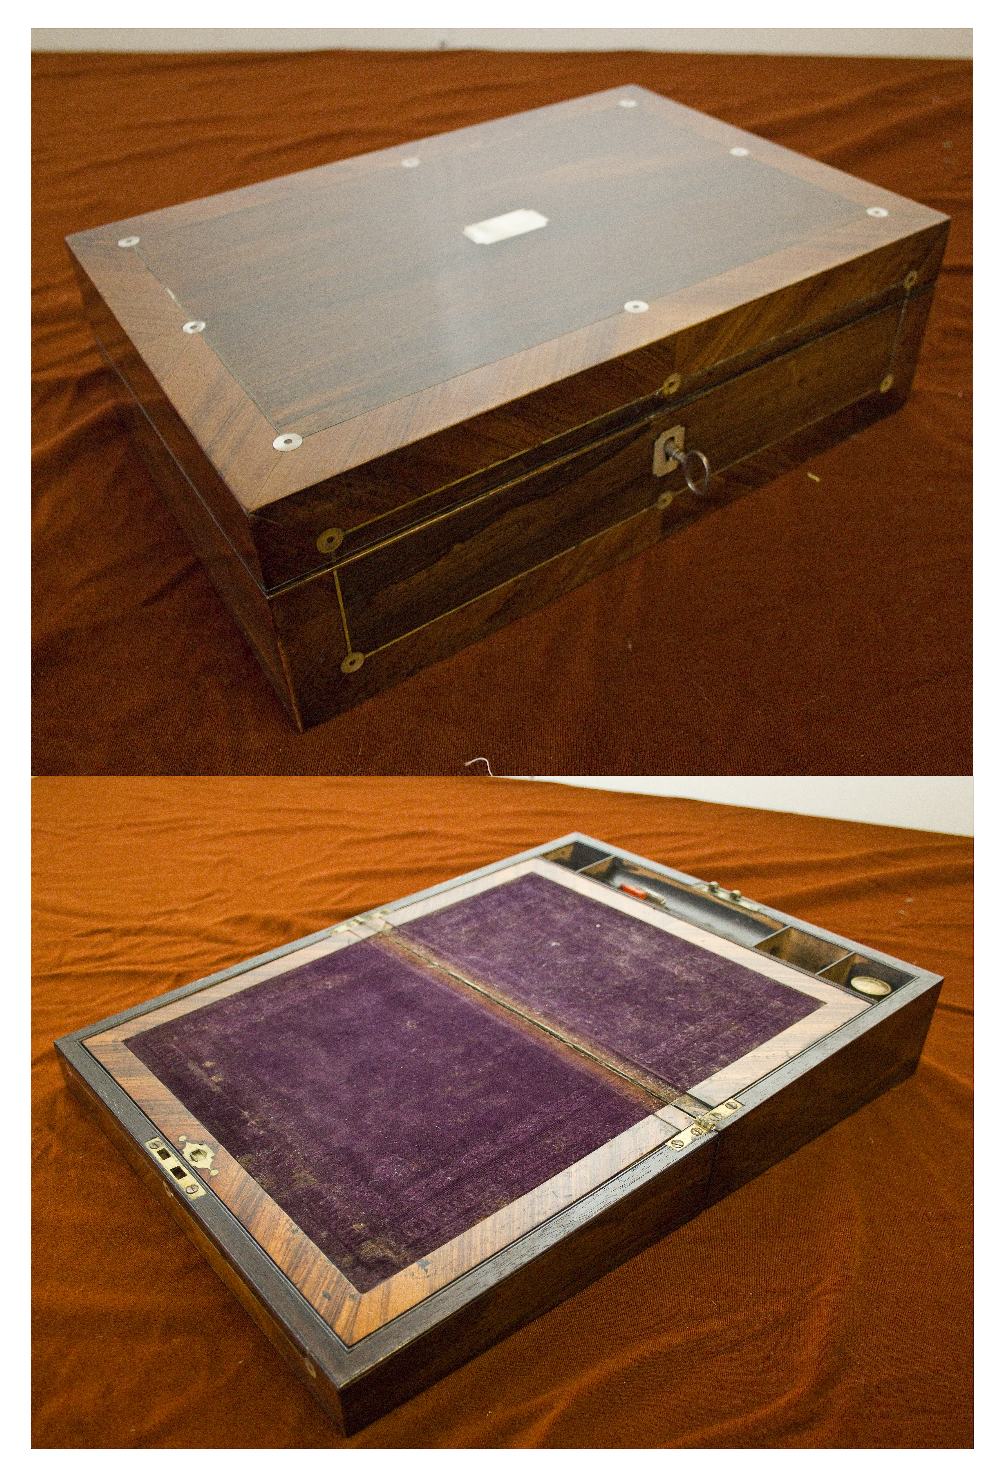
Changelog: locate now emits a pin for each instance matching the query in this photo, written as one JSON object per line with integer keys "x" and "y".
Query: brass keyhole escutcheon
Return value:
{"x": 665, "y": 449}
{"x": 199, "y": 1155}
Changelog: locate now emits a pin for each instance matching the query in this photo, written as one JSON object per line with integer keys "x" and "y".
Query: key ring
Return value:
{"x": 683, "y": 459}
{"x": 669, "y": 454}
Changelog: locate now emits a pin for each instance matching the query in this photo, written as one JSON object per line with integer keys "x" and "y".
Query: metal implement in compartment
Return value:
{"x": 726, "y": 913}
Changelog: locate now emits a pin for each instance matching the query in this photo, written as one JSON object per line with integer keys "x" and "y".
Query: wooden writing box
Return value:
{"x": 399, "y": 400}
{"x": 401, "y": 1137}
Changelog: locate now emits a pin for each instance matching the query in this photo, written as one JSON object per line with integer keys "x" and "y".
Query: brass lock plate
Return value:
{"x": 174, "y": 1169}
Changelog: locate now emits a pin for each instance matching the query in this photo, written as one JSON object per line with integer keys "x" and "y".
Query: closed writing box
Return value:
{"x": 401, "y": 1137}
{"x": 401, "y": 399}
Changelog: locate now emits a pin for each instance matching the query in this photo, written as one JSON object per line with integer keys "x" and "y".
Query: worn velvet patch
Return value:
{"x": 385, "y": 1110}
{"x": 677, "y": 1011}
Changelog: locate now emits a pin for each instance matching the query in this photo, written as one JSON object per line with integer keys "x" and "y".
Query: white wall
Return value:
{"x": 811, "y": 41}
{"x": 924, "y": 803}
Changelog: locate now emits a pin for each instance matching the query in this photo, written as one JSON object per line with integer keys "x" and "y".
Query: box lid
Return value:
{"x": 334, "y": 354}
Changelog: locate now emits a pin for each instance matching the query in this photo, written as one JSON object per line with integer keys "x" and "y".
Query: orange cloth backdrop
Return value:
{"x": 826, "y": 1303}
{"x": 818, "y": 627}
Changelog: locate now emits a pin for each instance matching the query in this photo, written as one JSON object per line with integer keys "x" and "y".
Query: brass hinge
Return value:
{"x": 174, "y": 1168}
{"x": 364, "y": 925}
{"x": 704, "y": 1124}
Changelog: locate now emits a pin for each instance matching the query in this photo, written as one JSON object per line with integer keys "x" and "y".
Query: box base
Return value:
{"x": 420, "y": 597}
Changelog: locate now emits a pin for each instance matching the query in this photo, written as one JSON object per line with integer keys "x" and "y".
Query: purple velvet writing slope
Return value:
{"x": 675, "y": 1010}
{"x": 384, "y": 1110}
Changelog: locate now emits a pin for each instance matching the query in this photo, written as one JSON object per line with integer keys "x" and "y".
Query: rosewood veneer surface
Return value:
{"x": 355, "y": 288}
{"x": 680, "y": 276}
{"x": 656, "y": 654}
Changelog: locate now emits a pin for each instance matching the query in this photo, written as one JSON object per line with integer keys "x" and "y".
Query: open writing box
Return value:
{"x": 401, "y": 1137}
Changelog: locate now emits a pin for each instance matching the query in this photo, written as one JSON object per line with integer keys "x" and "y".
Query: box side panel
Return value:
{"x": 421, "y": 597}
{"x": 909, "y": 340}
{"x": 311, "y": 629}
{"x": 204, "y": 483}
{"x": 454, "y": 579}
{"x": 247, "y": 602}
{"x": 564, "y": 1256}
{"x": 799, "y": 1106}
{"x": 296, "y": 1341}
{"x": 385, "y": 489}
{"x": 416, "y": 578}
{"x": 780, "y": 457}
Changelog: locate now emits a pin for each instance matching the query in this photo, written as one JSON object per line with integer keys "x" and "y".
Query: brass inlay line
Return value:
{"x": 897, "y": 335}
{"x": 644, "y": 419}
{"x": 650, "y": 408}
{"x": 648, "y": 412}
{"x": 521, "y": 574}
{"x": 343, "y": 612}
{"x": 646, "y": 407}
{"x": 609, "y": 528}
{"x": 461, "y": 507}
{"x": 537, "y": 468}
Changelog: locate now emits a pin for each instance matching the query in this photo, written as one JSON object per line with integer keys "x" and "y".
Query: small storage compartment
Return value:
{"x": 803, "y": 950}
{"x": 693, "y": 903}
{"x": 861, "y": 974}
{"x": 576, "y": 856}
